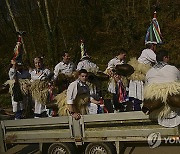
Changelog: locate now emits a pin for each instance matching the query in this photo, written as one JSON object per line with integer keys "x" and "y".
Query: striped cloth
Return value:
{"x": 153, "y": 34}
{"x": 18, "y": 50}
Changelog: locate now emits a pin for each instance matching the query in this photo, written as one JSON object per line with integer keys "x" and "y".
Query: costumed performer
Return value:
{"x": 110, "y": 70}
{"x": 86, "y": 64}
{"x": 162, "y": 92}
{"x": 18, "y": 87}
{"x": 118, "y": 60}
{"x": 137, "y": 79}
{"x": 39, "y": 87}
{"x": 75, "y": 100}
{"x": 63, "y": 72}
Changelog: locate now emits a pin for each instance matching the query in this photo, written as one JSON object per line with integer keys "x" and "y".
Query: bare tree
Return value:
{"x": 48, "y": 29}
{"x": 14, "y": 22}
{"x": 47, "y": 14}
{"x": 28, "y": 10}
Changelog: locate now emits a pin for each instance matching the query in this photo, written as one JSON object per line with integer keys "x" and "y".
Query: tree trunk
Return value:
{"x": 62, "y": 33}
{"x": 47, "y": 14}
{"x": 29, "y": 16}
{"x": 14, "y": 22}
{"x": 49, "y": 34}
{"x": 12, "y": 16}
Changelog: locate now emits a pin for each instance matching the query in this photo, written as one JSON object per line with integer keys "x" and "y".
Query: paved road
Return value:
{"x": 24, "y": 149}
{"x": 33, "y": 149}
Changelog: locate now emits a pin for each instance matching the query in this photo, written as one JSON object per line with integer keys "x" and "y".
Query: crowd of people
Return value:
{"x": 79, "y": 89}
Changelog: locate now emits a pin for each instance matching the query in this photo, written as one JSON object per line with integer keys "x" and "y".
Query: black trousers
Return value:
{"x": 117, "y": 105}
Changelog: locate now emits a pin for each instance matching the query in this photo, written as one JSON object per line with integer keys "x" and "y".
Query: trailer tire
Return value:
{"x": 99, "y": 147}
{"x": 64, "y": 148}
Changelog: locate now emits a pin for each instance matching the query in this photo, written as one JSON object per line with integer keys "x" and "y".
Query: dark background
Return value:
{"x": 105, "y": 25}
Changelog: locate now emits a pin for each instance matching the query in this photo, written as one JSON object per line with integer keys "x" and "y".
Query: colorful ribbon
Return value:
{"x": 153, "y": 33}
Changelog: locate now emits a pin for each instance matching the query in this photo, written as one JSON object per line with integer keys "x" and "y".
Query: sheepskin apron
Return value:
{"x": 167, "y": 115}
{"x": 137, "y": 78}
{"x": 80, "y": 103}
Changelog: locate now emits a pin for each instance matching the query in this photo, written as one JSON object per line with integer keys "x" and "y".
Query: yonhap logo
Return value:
{"x": 154, "y": 140}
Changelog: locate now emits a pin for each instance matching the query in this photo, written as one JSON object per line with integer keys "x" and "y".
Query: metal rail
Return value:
{"x": 112, "y": 127}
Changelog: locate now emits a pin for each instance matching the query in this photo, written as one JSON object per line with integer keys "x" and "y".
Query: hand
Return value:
{"x": 110, "y": 72}
{"x": 76, "y": 116}
{"x": 98, "y": 102}
{"x": 13, "y": 62}
{"x": 117, "y": 77}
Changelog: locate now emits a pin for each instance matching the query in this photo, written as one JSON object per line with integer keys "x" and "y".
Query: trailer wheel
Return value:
{"x": 61, "y": 148}
{"x": 100, "y": 148}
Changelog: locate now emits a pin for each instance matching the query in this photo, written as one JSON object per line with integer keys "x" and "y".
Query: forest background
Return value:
{"x": 55, "y": 26}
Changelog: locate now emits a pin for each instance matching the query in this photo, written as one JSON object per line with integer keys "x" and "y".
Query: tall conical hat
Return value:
{"x": 84, "y": 54}
{"x": 153, "y": 34}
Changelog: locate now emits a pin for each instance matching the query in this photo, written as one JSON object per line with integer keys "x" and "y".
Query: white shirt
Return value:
{"x": 168, "y": 73}
{"x": 136, "y": 89}
{"x": 63, "y": 68}
{"x": 75, "y": 88}
{"x": 147, "y": 57}
{"x": 87, "y": 65}
{"x": 113, "y": 62}
{"x": 35, "y": 75}
{"x": 40, "y": 74}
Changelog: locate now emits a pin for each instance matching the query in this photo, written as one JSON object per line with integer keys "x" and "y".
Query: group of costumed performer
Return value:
{"x": 77, "y": 95}
{"x": 93, "y": 81}
{"x": 85, "y": 96}
{"x": 27, "y": 86}
{"x": 81, "y": 95}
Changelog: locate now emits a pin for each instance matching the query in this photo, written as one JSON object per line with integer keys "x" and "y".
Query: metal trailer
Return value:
{"x": 100, "y": 133}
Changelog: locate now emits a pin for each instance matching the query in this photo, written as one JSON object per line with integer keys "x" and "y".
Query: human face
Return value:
{"x": 166, "y": 59}
{"x": 122, "y": 56}
{"x": 154, "y": 47}
{"x": 37, "y": 63}
{"x": 117, "y": 77}
{"x": 83, "y": 77}
{"x": 66, "y": 58}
